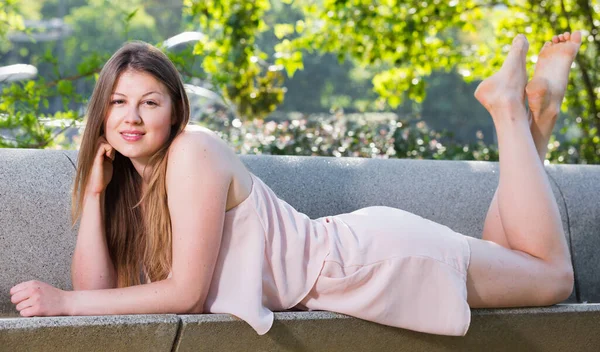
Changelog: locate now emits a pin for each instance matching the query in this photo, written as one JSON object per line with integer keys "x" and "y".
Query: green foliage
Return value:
{"x": 231, "y": 58}
{"x": 248, "y": 55}
{"x": 359, "y": 135}
{"x": 404, "y": 42}
{"x": 10, "y": 20}
{"x": 124, "y": 20}
{"x": 36, "y": 113}
{"x": 408, "y": 40}
{"x": 540, "y": 20}
{"x": 22, "y": 105}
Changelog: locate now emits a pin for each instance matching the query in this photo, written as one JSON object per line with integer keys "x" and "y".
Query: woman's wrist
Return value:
{"x": 93, "y": 197}
{"x": 93, "y": 194}
{"x": 70, "y": 302}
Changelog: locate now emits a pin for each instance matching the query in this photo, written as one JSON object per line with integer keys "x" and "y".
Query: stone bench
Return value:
{"x": 37, "y": 241}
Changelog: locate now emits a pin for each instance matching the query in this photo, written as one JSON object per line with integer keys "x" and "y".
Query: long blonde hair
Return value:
{"x": 138, "y": 237}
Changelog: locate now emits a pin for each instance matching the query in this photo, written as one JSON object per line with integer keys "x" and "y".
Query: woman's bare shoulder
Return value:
{"x": 202, "y": 144}
{"x": 201, "y": 149}
{"x": 204, "y": 150}
{"x": 196, "y": 138}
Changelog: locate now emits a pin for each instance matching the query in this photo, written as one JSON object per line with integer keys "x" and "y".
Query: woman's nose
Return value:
{"x": 133, "y": 115}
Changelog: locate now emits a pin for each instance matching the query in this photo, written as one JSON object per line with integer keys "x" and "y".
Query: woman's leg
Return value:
{"x": 545, "y": 93}
{"x": 536, "y": 268}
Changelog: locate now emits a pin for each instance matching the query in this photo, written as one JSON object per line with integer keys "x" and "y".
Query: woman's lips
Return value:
{"x": 131, "y": 136}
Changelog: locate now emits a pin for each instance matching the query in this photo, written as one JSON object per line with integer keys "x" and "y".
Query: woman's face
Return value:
{"x": 139, "y": 117}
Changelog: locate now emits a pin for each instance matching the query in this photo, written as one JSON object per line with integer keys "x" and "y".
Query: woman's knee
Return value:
{"x": 560, "y": 282}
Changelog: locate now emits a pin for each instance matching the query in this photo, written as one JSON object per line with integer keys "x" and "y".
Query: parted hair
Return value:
{"x": 137, "y": 226}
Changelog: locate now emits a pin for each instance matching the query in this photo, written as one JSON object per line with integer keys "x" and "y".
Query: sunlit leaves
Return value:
{"x": 540, "y": 20}
{"x": 283, "y": 30}
{"x": 288, "y": 57}
{"x": 407, "y": 40}
{"x": 398, "y": 43}
{"x": 399, "y": 35}
{"x": 10, "y": 20}
{"x": 231, "y": 58}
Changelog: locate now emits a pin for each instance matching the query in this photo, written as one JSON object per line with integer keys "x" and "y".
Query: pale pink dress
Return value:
{"x": 379, "y": 263}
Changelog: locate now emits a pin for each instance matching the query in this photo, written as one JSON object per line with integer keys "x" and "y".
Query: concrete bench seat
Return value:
{"x": 37, "y": 242}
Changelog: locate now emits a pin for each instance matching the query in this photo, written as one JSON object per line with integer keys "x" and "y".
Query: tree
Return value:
{"x": 231, "y": 57}
{"x": 406, "y": 41}
{"x": 36, "y": 113}
{"x": 399, "y": 42}
{"x": 411, "y": 39}
{"x": 10, "y": 19}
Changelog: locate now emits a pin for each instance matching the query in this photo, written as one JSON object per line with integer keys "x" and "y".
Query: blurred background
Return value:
{"x": 381, "y": 78}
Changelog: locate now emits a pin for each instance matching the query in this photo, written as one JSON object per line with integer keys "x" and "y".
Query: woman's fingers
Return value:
{"x": 101, "y": 172}
{"x": 36, "y": 298}
{"x": 19, "y": 296}
{"x": 112, "y": 153}
{"x": 22, "y": 293}
{"x": 28, "y": 312}
{"x": 24, "y": 286}
{"x": 28, "y": 303}
{"x": 109, "y": 151}
{"x": 101, "y": 150}
{"x": 17, "y": 288}
{"x": 105, "y": 149}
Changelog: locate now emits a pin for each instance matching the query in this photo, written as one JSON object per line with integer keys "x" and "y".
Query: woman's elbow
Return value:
{"x": 190, "y": 303}
{"x": 190, "y": 306}
{"x": 101, "y": 283}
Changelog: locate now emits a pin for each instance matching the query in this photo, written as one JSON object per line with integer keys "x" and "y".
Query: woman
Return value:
{"x": 172, "y": 222}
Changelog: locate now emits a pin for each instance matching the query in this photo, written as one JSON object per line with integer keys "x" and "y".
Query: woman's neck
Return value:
{"x": 142, "y": 168}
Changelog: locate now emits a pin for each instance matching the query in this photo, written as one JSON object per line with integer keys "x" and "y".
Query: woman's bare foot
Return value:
{"x": 506, "y": 88}
{"x": 546, "y": 90}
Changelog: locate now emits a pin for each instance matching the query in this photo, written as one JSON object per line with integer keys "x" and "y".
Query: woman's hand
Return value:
{"x": 36, "y": 298}
{"x": 102, "y": 168}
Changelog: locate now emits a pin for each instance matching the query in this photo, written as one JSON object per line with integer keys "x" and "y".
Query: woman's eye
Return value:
{"x": 150, "y": 102}
{"x": 117, "y": 101}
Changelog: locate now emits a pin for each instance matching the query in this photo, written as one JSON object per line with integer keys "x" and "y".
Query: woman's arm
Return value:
{"x": 35, "y": 298}
{"x": 160, "y": 297}
{"x": 92, "y": 267}
{"x": 199, "y": 175}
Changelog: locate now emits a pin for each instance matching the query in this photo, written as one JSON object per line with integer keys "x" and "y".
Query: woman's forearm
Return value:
{"x": 161, "y": 297}
{"x": 92, "y": 267}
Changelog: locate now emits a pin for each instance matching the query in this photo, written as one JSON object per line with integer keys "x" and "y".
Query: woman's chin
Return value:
{"x": 133, "y": 153}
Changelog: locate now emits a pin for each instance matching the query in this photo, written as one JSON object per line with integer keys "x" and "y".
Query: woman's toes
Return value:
{"x": 546, "y": 45}
{"x": 520, "y": 45}
{"x": 555, "y": 39}
{"x": 520, "y": 41}
{"x": 561, "y": 37}
{"x": 567, "y": 35}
